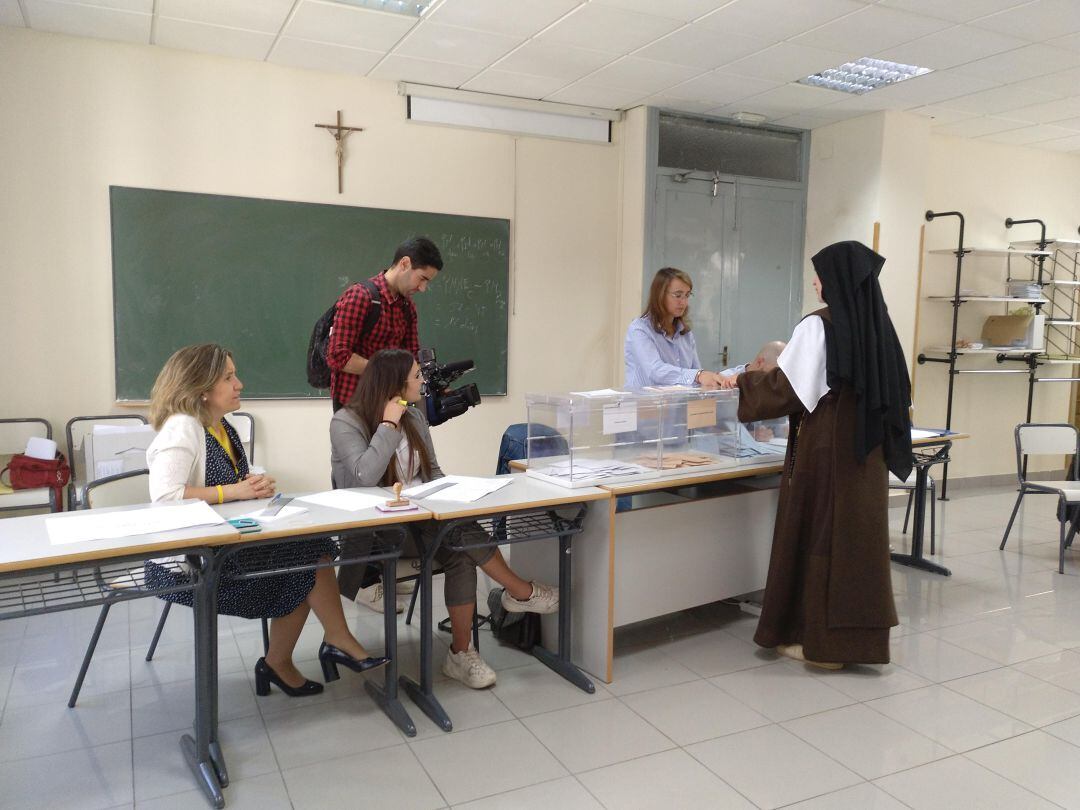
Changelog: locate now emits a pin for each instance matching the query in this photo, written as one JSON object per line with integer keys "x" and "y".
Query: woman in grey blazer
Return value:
{"x": 379, "y": 439}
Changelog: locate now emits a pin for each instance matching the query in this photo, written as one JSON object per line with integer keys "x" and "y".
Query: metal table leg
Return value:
{"x": 386, "y": 696}
{"x": 922, "y": 475}
{"x": 560, "y": 662}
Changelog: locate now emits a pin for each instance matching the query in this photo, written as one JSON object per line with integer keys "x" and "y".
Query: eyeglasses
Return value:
{"x": 681, "y": 296}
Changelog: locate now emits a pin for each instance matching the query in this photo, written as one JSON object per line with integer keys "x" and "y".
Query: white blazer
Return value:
{"x": 177, "y": 458}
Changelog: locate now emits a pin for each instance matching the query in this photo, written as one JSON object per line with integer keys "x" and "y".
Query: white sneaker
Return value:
{"x": 544, "y": 599}
{"x": 407, "y": 567}
{"x": 371, "y": 597}
{"x": 469, "y": 668}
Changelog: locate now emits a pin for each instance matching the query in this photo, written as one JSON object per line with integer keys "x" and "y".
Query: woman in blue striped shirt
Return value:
{"x": 660, "y": 348}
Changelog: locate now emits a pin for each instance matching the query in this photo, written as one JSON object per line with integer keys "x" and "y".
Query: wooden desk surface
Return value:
{"x": 522, "y": 493}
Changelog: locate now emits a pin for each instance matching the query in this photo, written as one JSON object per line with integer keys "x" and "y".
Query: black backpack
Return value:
{"x": 318, "y": 372}
{"x": 521, "y": 630}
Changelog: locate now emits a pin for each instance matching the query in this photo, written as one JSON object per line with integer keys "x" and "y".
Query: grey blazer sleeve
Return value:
{"x": 356, "y": 459}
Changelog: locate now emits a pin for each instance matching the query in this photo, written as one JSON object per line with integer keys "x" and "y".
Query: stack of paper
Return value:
{"x": 673, "y": 461}
{"x": 83, "y": 526}
{"x": 343, "y": 499}
{"x": 591, "y": 469}
{"x": 456, "y": 488}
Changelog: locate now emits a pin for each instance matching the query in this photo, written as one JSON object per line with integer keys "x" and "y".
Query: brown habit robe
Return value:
{"x": 829, "y": 586}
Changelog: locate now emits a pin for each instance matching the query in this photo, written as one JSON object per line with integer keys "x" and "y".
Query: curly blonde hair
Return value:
{"x": 185, "y": 377}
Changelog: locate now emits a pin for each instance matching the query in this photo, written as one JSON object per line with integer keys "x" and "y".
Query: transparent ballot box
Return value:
{"x": 596, "y": 437}
{"x": 700, "y": 430}
{"x": 764, "y": 440}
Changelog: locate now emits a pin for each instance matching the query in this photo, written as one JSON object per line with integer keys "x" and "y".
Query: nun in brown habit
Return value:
{"x": 842, "y": 382}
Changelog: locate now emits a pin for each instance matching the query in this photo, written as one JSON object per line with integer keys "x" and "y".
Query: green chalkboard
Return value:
{"x": 254, "y": 275}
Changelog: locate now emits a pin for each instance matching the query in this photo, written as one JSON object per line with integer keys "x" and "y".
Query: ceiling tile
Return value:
{"x": 591, "y": 95}
{"x": 457, "y": 46}
{"x": 253, "y": 15}
{"x": 642, "y": 75}
{"x": 871, "y": 30}
{"x": 669, "y": 102}
{"x": 951, "y": 47}
{"x": 141, "y": 6}
{"x": 1068, "y": 123}
{"x": 539, "y": 58}
{"x": 303, "y": 53}
{"x": 956, "y": 10}
{"x": 1069, "y": 144}
{"x": 88, "y": 21}
{"x": 974, "y": 127}
{"x": 702, "y": 47}
{"x": 1030, "y": 135}
{"x": 792, "y": 98}
{"x": 422, "y": 71}
{"x": 216, "y": 39}
{"x": 997, "y": 100}
{"x": 869, "y": 102}
{"x": 940, "y": 85}
{"x": 721, "y": 88}
{"x": 941, "y": 114}
{"x": 505, "y": 83}
{"x": 345, "y": 25}
{"x": 10, "y": 13}
{"x": 1070, "y": 42}
{"x": 812, "y": 120}
{"x": 1037, "y": 21}
{"x": 776, "y": 20}
{"x": 685, "y": 10}
{"x": 1047, "y": 112}
{"x": 1023, "y": 63}
{"x": 1062, "y": 84}
{"x": 787, "y": 62}
{"x": 522, "y": 18}
{"x": 605, "y": 28}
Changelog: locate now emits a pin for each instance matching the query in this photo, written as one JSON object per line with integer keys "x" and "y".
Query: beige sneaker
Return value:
{"x": 469, "y": 668}
{"x": 795, "y": 652}
{"x": 544, "y": 599}
{"x": 371, "y": 597}
{"x": 407, "y": 567}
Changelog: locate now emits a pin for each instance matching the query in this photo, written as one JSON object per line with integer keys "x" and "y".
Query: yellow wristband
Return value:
{"x": 220, "y": 494}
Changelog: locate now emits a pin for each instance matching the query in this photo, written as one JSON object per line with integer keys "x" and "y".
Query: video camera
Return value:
{"x": 443, "y": 403}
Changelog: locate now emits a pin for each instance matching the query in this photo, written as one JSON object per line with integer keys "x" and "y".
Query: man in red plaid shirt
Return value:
{"x": 416, "y": 263}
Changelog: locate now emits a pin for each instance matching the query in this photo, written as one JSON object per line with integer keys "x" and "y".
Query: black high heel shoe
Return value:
{"x": 330, "y": 656}
{"x": 264, "y": 676}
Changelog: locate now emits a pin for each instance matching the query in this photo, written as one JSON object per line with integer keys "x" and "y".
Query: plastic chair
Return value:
{"x": 909, "y": 486}
{"x": 244, "y": 424}
{"x": 76, "y": 430}
{"x": 14, "y": 434}
{"x": 1056, "y": 440}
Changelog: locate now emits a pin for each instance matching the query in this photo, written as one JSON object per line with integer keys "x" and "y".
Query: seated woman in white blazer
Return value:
{"x": 197, "y": 454}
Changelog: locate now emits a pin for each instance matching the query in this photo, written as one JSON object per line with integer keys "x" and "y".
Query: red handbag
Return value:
{"x": 26, "y": 472}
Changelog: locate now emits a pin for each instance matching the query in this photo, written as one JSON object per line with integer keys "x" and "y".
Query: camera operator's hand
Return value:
{"x": 393, "y": 411}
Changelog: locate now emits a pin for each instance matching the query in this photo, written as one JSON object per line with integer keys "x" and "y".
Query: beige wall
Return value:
{"x": 887, "y": 168}
{"x": 79, "y": 115}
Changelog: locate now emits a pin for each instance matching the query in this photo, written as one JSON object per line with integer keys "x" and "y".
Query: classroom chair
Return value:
{"x": 14, "y": 433}
{"x": 909, "y": 486}
{"x": 244, "y": 424}
{"x": 76, "y": 430}
{"x": 1053, "y": 440}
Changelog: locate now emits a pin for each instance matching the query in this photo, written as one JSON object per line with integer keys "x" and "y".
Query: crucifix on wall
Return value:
{"x": 340, "y": 133}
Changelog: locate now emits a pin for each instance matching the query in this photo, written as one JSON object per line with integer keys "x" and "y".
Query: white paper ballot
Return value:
{"x": 343, "y": 499}
{"x": 919, "y": 433}
{"x": 283, "y": 512}
{"x": 620, "y": 418}
{"x": 460, "y": 488}
{"x": 83, "y": 526}
{"x": 599, "y": 392}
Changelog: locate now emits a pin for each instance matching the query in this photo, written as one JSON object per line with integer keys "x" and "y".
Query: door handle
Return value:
{"x": 723, "y": 357}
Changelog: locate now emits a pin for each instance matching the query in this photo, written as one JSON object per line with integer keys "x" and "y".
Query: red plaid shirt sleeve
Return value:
{"x": 349, "y": 315}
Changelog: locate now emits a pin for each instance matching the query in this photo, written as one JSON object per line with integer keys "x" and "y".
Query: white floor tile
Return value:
{"x": 86, "y": 779}
{"x": 694, "y": 712}
{"x": 467, "y": 708}
{"x": 1002, "y": 639}
{"x": 870, "y": 744}
{"x": 171, "y": 706}
{"x": 388, "y": 779}
{"x": 646, "y": 668}
{"x": 599, "y": 734}
{"x": 176, "y": 662}
{"x": 534, "y": 689}
{"x": 566, "y": 793}
{"x": 50, "y": 729}
{"x": 48, "y": 682}
{"x": 265, "y": 792}
{"x": 937, "y": 660}
{"x": 860, "y": 797}
{"x": 951, "y": 719}
{"x": 1061, "y": 669}
{"x": 453, "y": 761}
{"x": 781, "y": 691}
{"x": 865, "y": 682}
{"x": 669, "y": 779}
{"x": 772, "y": 767}
{"x": 957, "y": 782}
{"x": 1020, "y": 695}
{"x": 1068, "y": 730}
{"x": 717, "y": 652}
{"x": 1037, "y": 761}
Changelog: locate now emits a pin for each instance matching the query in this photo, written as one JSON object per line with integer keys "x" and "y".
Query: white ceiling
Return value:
{"x": 1004, "y": 70}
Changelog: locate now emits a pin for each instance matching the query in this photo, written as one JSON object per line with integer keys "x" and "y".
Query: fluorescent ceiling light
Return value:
{"x": 410, "y": 8}
{"x": 864, "y": 75}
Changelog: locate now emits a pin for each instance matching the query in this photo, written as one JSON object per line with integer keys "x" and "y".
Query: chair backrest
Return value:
{"x": 547, "y": 441}
{"x": 118, "y": 490}
{"x": 76, "y": 431}
{"x": 1034, "y": 439}
{"x": 14, "y": 433}
{"x": 244, "y": 424}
